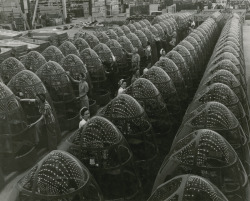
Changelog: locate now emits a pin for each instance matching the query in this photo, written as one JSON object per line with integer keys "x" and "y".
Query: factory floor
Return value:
{"x": 78, "y": 22}
{"x": 10, "y": 192}
{"x": 246, "y": 45}
{"x": 246, "y": 49}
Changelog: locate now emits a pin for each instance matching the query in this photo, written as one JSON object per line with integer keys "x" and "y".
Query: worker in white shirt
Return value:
{"x": 84, "y": 116}
{"x": 123, "y": 86}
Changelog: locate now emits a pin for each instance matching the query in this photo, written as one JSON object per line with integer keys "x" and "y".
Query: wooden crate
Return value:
{"x": 5, "y": 54}
{"x": 41, "y": 43}
{"x": 18, "y": 48}
{"x": 7, "y": 34}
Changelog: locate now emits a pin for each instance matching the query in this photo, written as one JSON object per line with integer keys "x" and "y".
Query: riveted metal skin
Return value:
{"x": 94, "y": 65}
{"x": 112, "y": 34}
{"x": 119, "y": 32}
{"x": 10, "y": 67}
{"x": 68, "y": 48}
{"x": 132, "y": 28}
{"x": 160, "y": 31}
{"x": 183, "y": 68}
{"x": 207, "y": 154}
{"x": 143, "y": 25}
{"x": 138, "y": 26}
{"x": 231, "y": 57}
{"x": 232, "y": 44}
{"x": 166, "y": 87}
{"x": 136, "y": 43}
{"x": 91, "y": 39}
{"x": 221, "y": 93}
{"x": 104, "y": 53}
{"x": 120, "y": 56}
{"x": 81, "y": 44}
{"x": 59, "y": 175}
{"x": 186, "y": 187}
{"x": 197, "y": 47}
{"x": 62, "y": 94}
{"x": 174, "y": 73}
{"x": 143, "y": 38}
{"x": 146, "y": 22}
{"x": 199, "y": 40}
{"x": 102, "y": 36}
{"x": 166, "y": 29}
{"x": 197, "y": 34}
{"x": 125, "y": 29}
{"x": 55, "y": 79}
{"x": 130, "y": 118}
{"x": 168, "y": 25}
{"x": 220, "y": 104}
{"x": 108, "y": 60}
{"x": 159, "y": 44}
{"x": 17, "y": 140}
{"x": 33, "y": 61}
{"x": 157, "y": 19}
{"x": 148, "y": 95}
{"x": 227, "y": 62}
{"x": 74, "y": 65}
{"x": 126, "y": 43}
{"x": 183, "y": 51}
{"x": 128, "y": 46}
{"x": 154, "y": 31}
{"x": 52, "y": 53}
{"x": 164, "y": 84}
{"x": 227, "y": 78}
{"x": 194, "y": 56}
{"x": 228, "y": 65}
{"x": 29, "y": 84}
{"x": 103, "y": 149}
{"x": 217, "y": 117}
{"x": 151, "y": 39}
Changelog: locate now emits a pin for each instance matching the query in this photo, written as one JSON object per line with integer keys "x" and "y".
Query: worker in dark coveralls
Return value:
{"x": 111, "y": 74}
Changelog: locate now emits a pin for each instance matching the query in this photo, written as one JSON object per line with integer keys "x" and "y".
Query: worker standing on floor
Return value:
{"x": 47, "y": 119}
{"x": 83, "y": 89}
{"x": 135, "y": 60}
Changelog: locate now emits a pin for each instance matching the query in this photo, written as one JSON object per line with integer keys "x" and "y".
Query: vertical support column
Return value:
{"x": 2, "y": 181}
{"x": 34, "y": 14}
{"x": 64, "y": 9}
{"x": 90, "y": 8}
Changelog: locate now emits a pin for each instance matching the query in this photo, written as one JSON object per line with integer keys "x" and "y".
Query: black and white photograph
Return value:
{"x": 124, "y": 100}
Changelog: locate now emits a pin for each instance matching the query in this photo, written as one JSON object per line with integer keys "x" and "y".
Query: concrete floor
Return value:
{"x": 9, "y": 193}
{"x": 246, "y": 46}
{"x": 246, "y": 49}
